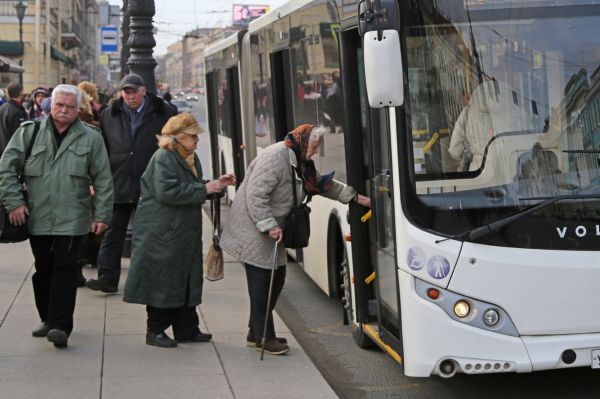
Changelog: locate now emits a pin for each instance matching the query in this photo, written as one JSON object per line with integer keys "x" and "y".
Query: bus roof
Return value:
{"x": 223, "y": 44}
{"x": 277, "y": 13}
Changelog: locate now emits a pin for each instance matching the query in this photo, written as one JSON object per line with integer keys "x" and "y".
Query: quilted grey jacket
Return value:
{"x": 262, "y": 202}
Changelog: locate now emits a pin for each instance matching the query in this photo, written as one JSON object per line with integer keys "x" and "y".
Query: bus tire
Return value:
{"x": 341, "y": 281}
{"x": 360, "y": 337}
{"x": 336, "y": 256}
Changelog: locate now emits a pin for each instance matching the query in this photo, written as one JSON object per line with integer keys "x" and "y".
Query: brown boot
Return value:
{"x": 251, "y": 343}
{"x": 274, "y": 347}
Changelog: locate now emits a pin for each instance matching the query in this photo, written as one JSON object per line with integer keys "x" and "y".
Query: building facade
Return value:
{"x": 108, "y": 62}
{"x": 59, "y": 41}
{"x": 184, "y": 61}
{"x": 173, "y": 68}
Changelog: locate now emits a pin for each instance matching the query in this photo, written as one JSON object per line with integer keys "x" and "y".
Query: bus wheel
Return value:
{"x": 346, "y": 289}
{"x": 361, "y": 339}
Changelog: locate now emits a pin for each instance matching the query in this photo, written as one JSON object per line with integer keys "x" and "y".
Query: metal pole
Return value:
{"x": 141, "y": 42}
{"x": 20, "y": 9}
{"x": 23, "y": 48}
{"x": 264, "y": 334}
{"x": 125, "y": 39}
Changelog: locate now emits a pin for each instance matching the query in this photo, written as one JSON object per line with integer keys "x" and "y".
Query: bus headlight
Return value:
{"x": 462, "y": 309}
{"x": 491, "y": 317}
{"x": 474, "y": 312}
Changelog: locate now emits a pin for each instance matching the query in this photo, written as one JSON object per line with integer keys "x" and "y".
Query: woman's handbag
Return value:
{"x": 214, "y": 258}
{"x": 296, "y": 226}
{"x": 10, "y": 233}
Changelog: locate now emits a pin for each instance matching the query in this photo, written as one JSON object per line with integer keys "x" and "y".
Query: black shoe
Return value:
{"x": 80, "y": 279}
{"x": 200, "y": 337}
{"x": 58, "y": 337}
{"x": 161, "y": 340}
{"x": 251, "y": 342}
{"x": 41, "y": 331}
{"x": 101, "y": 285}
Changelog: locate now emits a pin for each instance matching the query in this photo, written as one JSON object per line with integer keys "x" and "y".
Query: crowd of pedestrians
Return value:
{"x": 90, "y": 168}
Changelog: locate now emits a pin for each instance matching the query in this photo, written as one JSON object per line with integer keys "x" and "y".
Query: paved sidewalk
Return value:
{"x": 107, "y": 356}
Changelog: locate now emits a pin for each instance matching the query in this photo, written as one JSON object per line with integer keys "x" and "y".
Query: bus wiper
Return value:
{"x": 581, "y": 151}
{"x": 482, "y": 231}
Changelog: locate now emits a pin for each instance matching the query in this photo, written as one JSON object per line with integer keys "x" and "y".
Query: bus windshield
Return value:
{"x": 504, "y": 108}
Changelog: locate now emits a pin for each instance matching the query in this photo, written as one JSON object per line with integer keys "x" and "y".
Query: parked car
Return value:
{"x": 192, "y": 98}
{"x": 182, "y": 106}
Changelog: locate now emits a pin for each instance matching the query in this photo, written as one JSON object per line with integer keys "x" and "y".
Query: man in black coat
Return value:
{"x": 12, "y": 114}
{"x": 129, "y": 126}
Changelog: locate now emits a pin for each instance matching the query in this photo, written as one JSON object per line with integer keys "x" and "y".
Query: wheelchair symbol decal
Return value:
{"x": 415, "y": 258}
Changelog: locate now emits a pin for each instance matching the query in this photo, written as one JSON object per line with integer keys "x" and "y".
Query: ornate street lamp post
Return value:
{"x": 20, "y": 8}
{"x": 125, "y": 39}
{"x": 141, "y": 41}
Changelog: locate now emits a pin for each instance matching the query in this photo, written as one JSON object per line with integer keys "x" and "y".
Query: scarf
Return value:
{"x": 189, "y": 159}
{"x": 314, "y": 183}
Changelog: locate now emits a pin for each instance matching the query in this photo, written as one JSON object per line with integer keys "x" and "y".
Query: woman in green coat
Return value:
{"x": 166, "y": 262}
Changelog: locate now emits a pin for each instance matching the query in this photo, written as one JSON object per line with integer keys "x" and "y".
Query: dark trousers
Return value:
{"x": 109, "y": 256}
{"x": 55, "y": 279}
{"x": 258, "y": 290}
{"x": 184, "y": 320}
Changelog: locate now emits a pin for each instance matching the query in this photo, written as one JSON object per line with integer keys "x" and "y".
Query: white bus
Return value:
{"x": 474, "y": 126}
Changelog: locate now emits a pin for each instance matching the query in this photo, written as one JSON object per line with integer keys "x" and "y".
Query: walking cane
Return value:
{"x": 264, "y": 335}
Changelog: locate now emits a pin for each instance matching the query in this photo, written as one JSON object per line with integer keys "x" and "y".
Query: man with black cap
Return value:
{"x": 129, "y": 126}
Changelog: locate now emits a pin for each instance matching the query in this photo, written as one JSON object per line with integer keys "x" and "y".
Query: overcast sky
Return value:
{"x": 174, "y": 18}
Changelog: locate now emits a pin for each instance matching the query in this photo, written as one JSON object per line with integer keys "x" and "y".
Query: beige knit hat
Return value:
{"x": 182, "y": 123}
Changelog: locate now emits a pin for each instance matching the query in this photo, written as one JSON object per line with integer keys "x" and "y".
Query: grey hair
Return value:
{"x": 169, "y": 142}
{"x": 68, "y": 89}
{"x": 166, "y": 142}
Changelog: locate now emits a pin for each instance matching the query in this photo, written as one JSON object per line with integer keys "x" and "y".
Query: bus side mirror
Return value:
{"x": 378, "y": 24}
{"x": 383, "y": 69}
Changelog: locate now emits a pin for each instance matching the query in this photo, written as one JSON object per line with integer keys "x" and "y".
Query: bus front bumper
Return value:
{"x": 435, "y": 344}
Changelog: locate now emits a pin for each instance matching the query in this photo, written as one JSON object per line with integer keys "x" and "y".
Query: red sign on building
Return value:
{"x": 244, "y": 13}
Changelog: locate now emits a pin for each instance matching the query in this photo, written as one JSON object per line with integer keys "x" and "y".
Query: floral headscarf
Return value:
{"x": 313, "y": 182}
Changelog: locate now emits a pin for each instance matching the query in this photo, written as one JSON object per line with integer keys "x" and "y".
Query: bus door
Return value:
{"x": 283, "y": 94}
{"x": 381, "y": 227}
{"x": 237, "y": 140}
{"x": 369, "y": 166}
{"x": 282, "y": 85}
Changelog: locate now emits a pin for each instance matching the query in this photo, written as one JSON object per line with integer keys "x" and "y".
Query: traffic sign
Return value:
{"x": 108, "y": 39}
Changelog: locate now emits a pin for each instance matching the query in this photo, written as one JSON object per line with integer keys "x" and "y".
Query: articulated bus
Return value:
{"x": 474, "y": 126}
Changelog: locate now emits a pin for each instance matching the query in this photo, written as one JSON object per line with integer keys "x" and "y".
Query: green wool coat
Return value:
{"x": 166, "y": 260}
{"x": 58, "y": 179}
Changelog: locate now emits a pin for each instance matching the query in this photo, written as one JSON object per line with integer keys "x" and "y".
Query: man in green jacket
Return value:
{"x": 67, "y": 156}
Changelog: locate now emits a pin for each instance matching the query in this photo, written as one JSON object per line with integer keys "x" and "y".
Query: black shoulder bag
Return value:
{"x": 296, "y": 226}
{"x": 9, "y": 232}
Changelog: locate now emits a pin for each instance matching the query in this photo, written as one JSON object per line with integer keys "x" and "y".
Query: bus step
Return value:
{"x": 372, "y": 330}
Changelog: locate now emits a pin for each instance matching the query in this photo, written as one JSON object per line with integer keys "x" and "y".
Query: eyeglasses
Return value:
{"x": 64, "y": 106}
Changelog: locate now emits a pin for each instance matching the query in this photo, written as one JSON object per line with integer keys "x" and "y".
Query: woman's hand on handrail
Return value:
{"x": 363, "y": 200}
